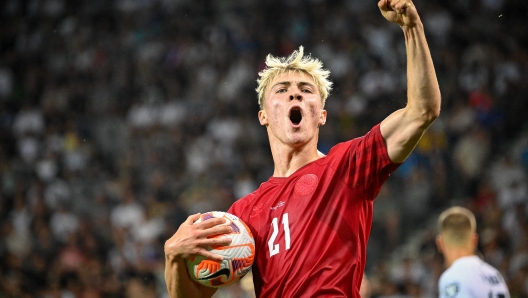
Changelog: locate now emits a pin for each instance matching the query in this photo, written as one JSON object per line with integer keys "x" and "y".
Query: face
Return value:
{"x": 293, "y": 110}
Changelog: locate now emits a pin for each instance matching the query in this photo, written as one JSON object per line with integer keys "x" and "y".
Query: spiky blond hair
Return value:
{"x": 296, "y": 62}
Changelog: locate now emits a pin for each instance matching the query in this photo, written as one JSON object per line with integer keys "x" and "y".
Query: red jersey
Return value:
{"x": 311, "y": 228}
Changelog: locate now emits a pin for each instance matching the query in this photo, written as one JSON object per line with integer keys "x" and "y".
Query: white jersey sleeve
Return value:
{"x": 470, "y": 277}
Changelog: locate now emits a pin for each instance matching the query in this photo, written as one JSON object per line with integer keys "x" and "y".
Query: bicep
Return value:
{"x": 402, "y": 130}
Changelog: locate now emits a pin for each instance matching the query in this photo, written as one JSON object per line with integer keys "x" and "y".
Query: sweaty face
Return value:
{"x": 293, "y": 109}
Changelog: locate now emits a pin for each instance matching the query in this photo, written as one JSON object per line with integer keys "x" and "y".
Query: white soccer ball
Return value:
{"x": 238, "y": 256}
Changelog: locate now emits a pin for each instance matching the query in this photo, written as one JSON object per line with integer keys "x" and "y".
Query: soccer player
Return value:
{"x": 467, "y": 275}
{"x": 311, "y": 220}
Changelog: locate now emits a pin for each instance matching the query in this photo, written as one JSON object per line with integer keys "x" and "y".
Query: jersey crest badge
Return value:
{"x": 451, "y": 290}
{"x": 306, "y": 185}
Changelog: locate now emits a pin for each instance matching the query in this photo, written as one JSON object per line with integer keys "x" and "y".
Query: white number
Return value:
{"x": 286, "y": 225}
{"x": 274, "y": 248}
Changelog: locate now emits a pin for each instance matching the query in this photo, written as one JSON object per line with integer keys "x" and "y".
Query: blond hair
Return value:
{"x": 457, "y": 225}
{"x": 296, "y": 62}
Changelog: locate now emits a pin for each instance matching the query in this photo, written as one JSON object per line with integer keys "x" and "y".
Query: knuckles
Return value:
{"x": 168, "y": 248}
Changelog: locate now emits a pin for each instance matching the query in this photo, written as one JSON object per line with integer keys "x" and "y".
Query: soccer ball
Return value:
{"x": 238, "y": 256}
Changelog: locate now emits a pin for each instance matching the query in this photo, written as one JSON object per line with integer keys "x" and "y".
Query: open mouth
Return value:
{"x": 295, "y": 116}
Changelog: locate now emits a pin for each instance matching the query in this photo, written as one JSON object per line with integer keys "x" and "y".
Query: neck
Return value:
{"x": 287, "y": 159}
{"x": 453, "y": 254}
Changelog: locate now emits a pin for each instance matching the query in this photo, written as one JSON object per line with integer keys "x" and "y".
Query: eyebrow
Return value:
{"x": 288, "y": 83}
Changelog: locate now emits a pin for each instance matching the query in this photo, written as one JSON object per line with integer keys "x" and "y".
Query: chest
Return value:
{"x": 293, "y": 213}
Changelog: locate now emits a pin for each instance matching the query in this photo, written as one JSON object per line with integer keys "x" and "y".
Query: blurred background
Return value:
{"x": 120, "y": 118}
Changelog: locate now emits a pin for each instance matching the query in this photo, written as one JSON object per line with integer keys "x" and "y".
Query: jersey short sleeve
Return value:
{"x": 364, "y": 162}
{"x": 451, "y": 286}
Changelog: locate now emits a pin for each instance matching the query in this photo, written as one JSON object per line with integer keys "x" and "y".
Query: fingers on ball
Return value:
{"x": 204, "y": 243}
{"x": 210, "y": 255}
{"x": 215, "y": 231}
{"x": 205, "y": 253}
{"x": 221, "y": 230}
{"x": 209, "y": 223}
{"x": 215, "y": 257}
{"x": 192, "y": 218}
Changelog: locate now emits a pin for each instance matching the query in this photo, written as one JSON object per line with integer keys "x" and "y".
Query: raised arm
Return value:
{"x": 403, "y": 129}
{"x": 189, "y": 240}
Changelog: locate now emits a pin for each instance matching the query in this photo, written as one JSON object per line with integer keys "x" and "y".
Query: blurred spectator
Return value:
{"x": 63, "y": 224}
{"x": 128, "y": 214}
{"x": 471, "y": 154}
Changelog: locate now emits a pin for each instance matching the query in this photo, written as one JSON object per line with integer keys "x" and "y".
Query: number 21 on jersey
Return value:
{"x": 273, "y": 245}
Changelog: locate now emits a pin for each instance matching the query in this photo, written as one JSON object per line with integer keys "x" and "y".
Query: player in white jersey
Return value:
{"x": 467, "y": 276}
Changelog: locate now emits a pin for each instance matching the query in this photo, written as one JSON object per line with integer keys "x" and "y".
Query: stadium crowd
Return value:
{"x": 120, "y": 118}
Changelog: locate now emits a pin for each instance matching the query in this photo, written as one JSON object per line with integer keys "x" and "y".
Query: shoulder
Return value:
{"x": 486, "y": 266}
{"x": 453, "y": 274}
{"x": 456, "y": 273}
{"x": 371, "y": 138}
{"x": 453, "y": 283}
{"x": 459, "y": 279}
{"x": 240, "y": 207}
{"x": 246, "y": 200}
{"x": 491, "y": 274}
{"x": 463, "y": 267}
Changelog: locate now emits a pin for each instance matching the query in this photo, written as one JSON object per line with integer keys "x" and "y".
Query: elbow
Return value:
{"x": 432, "y": 111}
{"x": 433, "y": 114}
{"x": 428, "y": 116}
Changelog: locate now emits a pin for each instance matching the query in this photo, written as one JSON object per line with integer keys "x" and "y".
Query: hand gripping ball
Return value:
{"x": 238, "y": 256}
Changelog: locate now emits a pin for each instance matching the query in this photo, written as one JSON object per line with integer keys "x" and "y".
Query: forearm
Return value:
{"x": 179, "y": 284}
{"x": 422, "y": 85}
{"x": 403, "y": 129}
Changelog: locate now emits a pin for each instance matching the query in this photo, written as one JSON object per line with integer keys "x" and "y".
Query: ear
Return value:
{"x": 322, "y": 118}
{"x": 474, "y": 241}
{"x": 263, "y": 117}
{"x": 440, "y": 243}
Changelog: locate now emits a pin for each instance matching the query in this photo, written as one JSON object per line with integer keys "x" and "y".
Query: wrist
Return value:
{"x": 173, "y": 258}
{"x": 417, "y": 26}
